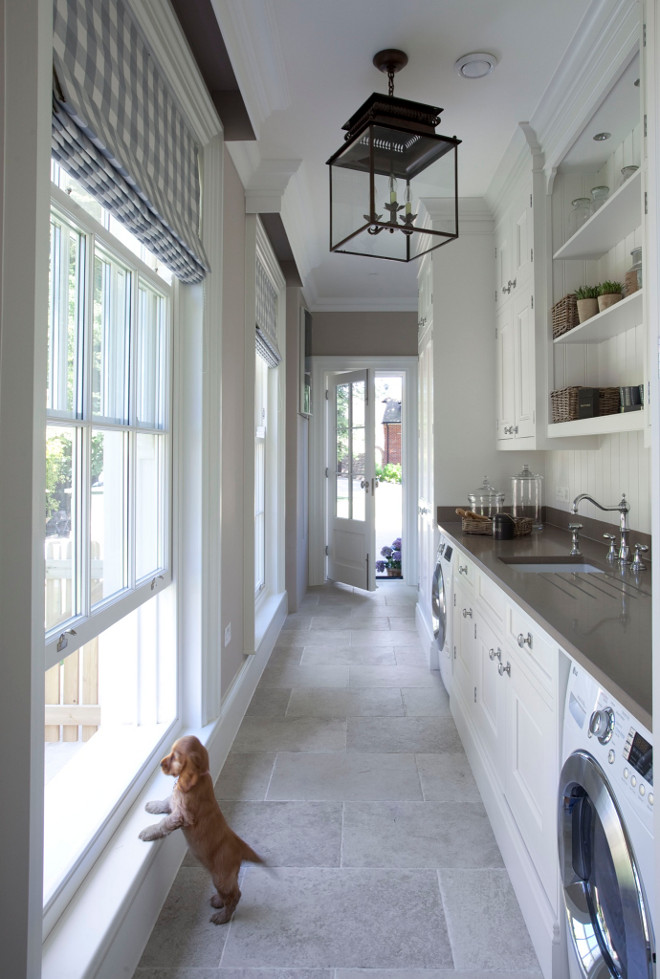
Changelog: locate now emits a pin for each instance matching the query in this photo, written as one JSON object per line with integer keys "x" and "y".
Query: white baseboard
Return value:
{"x": 106, "y": 927}
{"x": 425, "y": 633}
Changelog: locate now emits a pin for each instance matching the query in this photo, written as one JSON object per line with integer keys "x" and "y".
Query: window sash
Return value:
{"x": 126, "y": 409}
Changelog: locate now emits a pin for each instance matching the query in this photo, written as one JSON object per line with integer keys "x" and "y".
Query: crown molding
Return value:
{"x": 251, "y": 37}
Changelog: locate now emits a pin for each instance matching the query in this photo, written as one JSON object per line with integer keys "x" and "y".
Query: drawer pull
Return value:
{"x": 502, "y": 669}
{"x": 467, "y": 613}
{"x": 525, "y": 640}
{"x": 495, "y": 654}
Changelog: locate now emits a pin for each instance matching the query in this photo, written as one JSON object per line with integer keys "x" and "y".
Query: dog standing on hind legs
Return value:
{"x": 194, "y": 808}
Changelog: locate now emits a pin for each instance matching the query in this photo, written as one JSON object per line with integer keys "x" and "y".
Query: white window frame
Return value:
{"x": 260, "y": 608}
{"x": 90, "y": 621}
{"x": 65, "y": 638}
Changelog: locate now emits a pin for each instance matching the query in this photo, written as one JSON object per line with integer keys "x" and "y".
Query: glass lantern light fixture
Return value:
{"x": 392, "y": 157}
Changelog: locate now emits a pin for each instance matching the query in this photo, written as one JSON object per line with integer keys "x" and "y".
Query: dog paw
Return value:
{"x": 148, "y": 834}
{"x": 222, "y": 917}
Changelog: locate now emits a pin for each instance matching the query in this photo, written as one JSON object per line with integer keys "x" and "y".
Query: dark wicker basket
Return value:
{"x": 521, "y": 526}
{"x": 565, "y": 403}
{"x": 564, "y": 316}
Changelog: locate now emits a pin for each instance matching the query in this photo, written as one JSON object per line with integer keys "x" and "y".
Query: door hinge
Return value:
{"x": 646, "y": 203}
{"x": 645, "y": 125}
{"x": 643, "y": 35}
{"x": 531, "y": 254}
{"x": 531, "y": 298}
{"x": 530, "y": 201}
{"x": 475, "y": 695}
{"x": 327, "y": 395}
{"x": 327, "y": 552}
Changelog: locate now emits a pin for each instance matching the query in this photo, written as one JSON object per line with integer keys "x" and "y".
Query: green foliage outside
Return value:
{"x": 389, "y": 473}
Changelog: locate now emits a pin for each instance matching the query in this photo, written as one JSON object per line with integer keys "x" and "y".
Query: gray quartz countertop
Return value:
{"x": 603, "y": 620}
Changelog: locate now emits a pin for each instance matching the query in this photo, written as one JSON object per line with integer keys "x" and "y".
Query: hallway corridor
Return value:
{"x": 348, "y": 776}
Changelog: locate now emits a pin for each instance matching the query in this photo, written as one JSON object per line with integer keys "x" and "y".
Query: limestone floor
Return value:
{"x": 348, "y": 776}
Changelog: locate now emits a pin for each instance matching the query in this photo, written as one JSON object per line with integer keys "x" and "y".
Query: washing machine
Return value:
{"x": 441, "y": 614}
{"x": 605, "y": 835}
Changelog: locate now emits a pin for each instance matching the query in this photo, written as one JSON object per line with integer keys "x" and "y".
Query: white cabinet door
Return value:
{"x": 506, "y": 372}
{"x": 525, "y": 365}
{"x": 531, "y": 767}
{"x": 464, "y": 645}
{"x": 426, "y": 519}
{"x": 522, "y": 230}
{"x": 490, "y": 693}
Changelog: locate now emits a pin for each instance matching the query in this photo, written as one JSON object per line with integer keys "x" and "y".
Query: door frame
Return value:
{"x": 318, "y": 454}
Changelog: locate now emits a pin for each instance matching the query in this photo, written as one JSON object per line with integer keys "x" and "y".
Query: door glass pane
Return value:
{"x": 64, "y": 315}
{"x": 358, "y": 448}
{"x": 110, "y": 333}
{"x": 343, "y": 459}
{"x": 148, "y": 504}
{"x": 107, "y": 514}
{"x": 150, "y": 365}
{"x": 61, "y": 505}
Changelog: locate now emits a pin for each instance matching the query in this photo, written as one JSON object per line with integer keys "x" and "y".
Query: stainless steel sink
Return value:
{"x": 556, "y": 564}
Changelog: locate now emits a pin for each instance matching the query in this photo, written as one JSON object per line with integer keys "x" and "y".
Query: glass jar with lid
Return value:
{"x": 527, "y": 496}
{"x": 485, "y": 499}
{"x": 579, "y": 213}
{"x": 598, "y": 196}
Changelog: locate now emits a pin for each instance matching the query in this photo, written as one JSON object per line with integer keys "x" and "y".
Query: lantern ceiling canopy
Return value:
{"x": 391, "y": 158}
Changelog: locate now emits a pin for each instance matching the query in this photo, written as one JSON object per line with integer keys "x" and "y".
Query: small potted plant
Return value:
{"x": 391, "y": 565}
{"x": 608, "y": 294}
{"x": 587, "y": 302}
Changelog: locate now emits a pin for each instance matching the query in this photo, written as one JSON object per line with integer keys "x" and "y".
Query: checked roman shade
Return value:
{"x": 266, "y": 315}
{"x": 118, "y": 130}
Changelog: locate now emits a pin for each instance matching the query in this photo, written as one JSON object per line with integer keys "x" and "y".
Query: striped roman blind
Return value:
{"x": 118, "y": 129}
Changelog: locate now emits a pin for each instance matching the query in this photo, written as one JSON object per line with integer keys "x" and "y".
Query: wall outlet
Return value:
{"x": 561, "y": 494}
{"x": 227, "y": 634}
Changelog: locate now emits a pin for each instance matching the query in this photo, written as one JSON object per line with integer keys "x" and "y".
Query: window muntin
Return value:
{"x": 66, "y": 295}
{"x": 260, "y": 471}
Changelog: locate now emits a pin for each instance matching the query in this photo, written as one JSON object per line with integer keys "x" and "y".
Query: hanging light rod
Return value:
{"x": 391, "y": 142}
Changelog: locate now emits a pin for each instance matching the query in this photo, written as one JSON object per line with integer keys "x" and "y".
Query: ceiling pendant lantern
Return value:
{"x": 391, "y": 158}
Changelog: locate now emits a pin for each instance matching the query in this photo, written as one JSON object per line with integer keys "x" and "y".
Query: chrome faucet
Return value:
{"x": 623, "y": 507}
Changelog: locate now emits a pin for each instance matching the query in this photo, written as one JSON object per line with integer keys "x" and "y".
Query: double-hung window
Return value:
{"x": 111, "y": 679}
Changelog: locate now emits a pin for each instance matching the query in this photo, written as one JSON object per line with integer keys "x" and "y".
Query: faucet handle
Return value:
{"x": 611, "y": 552}
{"x": 575, "y": 529}
{"x": 637, "y": 562}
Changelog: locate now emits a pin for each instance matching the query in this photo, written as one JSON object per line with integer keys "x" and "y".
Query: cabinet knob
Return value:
{"x": 525, "y": 640}
{"x": 462, "y": 569}
{"x": 467, "y": 613}
{"x": 502, "y": 669}
{"x": 495, "y": 654}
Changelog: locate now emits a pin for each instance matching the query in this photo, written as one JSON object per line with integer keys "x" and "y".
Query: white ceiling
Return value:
{"x": 305, "y": 66}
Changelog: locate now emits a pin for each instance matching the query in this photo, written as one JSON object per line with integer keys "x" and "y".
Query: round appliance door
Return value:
{"x": 607, "y": 916}
{"x": 439, "y": 604}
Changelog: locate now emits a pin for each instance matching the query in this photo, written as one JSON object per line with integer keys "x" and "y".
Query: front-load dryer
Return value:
{"x": 605, "y": 835}
{"x": 441, "y": 601}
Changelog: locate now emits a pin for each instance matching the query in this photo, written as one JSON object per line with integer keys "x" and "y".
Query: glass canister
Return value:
{"x": 527, "y": 496}
{"x": 485, "y": 499}
{"x": 598, "y": 196}
{"x": 579, "y": 213}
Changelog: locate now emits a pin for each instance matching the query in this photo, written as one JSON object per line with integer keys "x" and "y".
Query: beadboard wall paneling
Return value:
{"x": 620, "y": 465}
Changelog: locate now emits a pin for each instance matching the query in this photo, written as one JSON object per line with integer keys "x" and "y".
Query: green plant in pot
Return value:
{"x": 587, "y": 302}
{"x": 609, "y": 293}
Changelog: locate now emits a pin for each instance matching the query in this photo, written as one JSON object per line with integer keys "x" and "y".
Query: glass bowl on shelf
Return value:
{"x": 579, "y": 213}
{"x": 627, "y": 172}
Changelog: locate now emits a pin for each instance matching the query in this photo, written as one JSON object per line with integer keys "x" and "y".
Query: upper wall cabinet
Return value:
{"x": 608, "y": 350}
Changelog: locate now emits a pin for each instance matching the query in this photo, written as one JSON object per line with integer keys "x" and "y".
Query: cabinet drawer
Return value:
{"x": 537, "y": 651}
{"x": 491, "y": 596}
{"x": 464, "y": 568}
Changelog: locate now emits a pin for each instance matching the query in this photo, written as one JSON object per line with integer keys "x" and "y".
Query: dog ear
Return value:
{"x": 188, "y": 777}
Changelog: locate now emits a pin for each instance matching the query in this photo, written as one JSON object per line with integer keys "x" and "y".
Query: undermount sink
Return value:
{"x": 552, "y": 565}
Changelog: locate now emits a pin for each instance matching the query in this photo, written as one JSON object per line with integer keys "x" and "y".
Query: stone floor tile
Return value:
{"x": 412, "y": 655}
{"x": 325, "y": 702}
{"x": 269, "y": 702}
{"x": 418, "y": 834}
{"x": 447, "y": 777}
{"x": 290, "y": 834}
{"x": 364, "y": 654}
{"x": 290, "y": 734}
{"x": 416, "y": 734}
{"x": 501, "y": 940}
{"x": 393, "y": 676}
{"x": 342, "y": 918}
{"x": 291, "y": 675}
{"x": 425, "y": 701}
{"x": 183, "y": 935}
{"x": 344, "y": 776}
{"x": 245, "y": 776}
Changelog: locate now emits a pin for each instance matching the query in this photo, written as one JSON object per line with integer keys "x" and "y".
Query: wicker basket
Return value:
{"x": 565, "y": 403}
{"x": 564, "y": 316}
{"x": 521, "y": 526}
